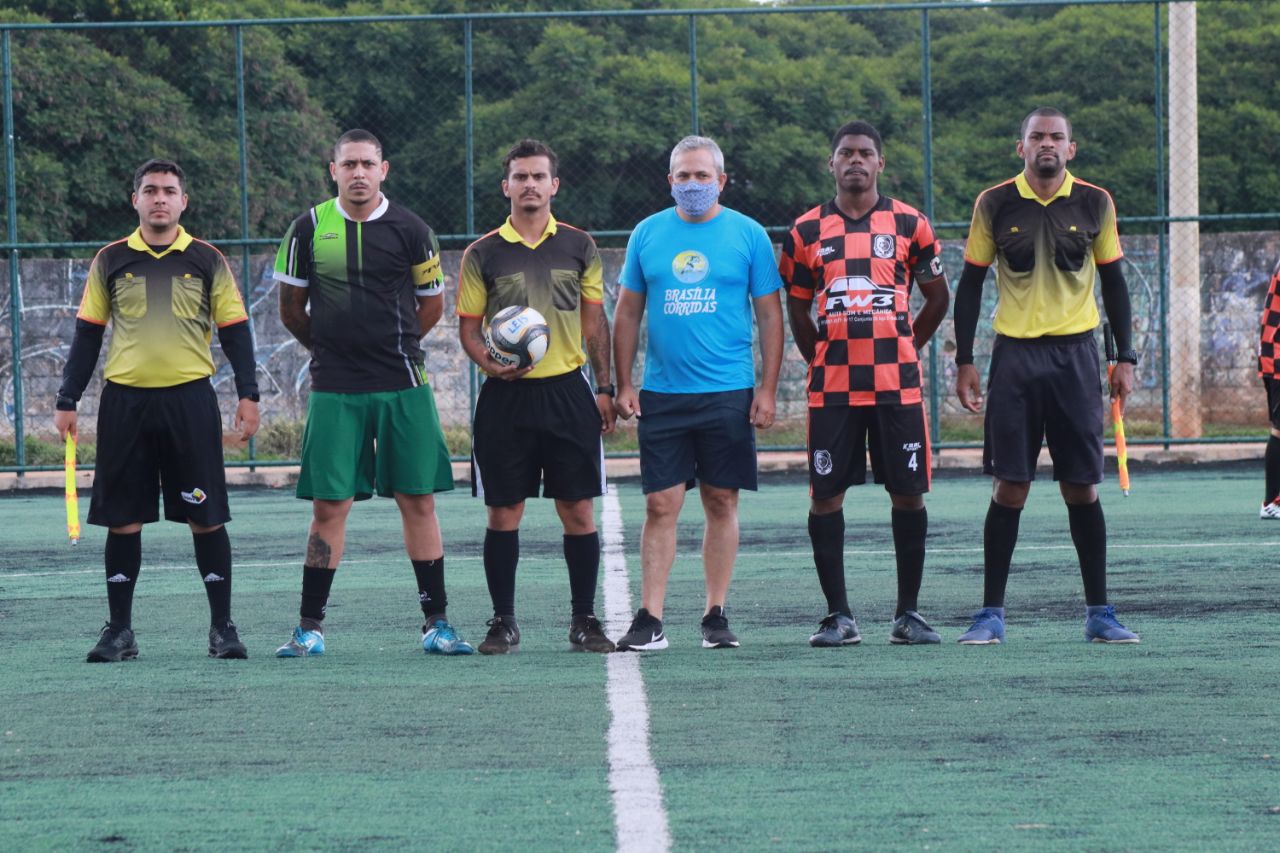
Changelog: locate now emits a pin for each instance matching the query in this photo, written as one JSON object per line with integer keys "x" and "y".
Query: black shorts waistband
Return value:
{"x": 541, "y": 380}
{"x": 1050, "y": 339}
{"x": 179, "y": 387}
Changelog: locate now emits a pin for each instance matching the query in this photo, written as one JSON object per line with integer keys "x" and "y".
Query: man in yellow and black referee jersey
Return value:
{"x": 1047, "y": 232}
{"x": 159, "y": 428}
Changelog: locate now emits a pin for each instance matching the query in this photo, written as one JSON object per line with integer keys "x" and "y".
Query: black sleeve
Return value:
{"x": 1115, "y": 300}
{"x": 83, "y": 358}
{"x": 237, "y": 346}
{"x": 968, "y": 304}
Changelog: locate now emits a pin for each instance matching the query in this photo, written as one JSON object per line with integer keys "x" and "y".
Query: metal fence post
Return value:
{"x": 926, "y": 100}
{"x": 473, "y": 378}
{"x": 15, "y": 288}
{"x": 693, "y": 75}
{"x": 244, "y": 203}
{"x": 1162, "y": 243}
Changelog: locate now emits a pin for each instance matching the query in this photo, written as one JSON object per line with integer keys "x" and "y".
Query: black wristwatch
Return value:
{"x": 1129, "y": 356}
{"x": 606, "y": 389}
{"x": 253, "y": 398}
{"x": 65, "y": 404}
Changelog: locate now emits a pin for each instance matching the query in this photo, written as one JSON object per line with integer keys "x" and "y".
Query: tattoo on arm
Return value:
{"x": 318, "y": 552}
{"x": 598, "y": 346}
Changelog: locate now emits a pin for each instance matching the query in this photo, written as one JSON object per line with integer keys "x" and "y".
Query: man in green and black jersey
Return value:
{"x": 159, "y": 428}
{"x": 370, "y": 271}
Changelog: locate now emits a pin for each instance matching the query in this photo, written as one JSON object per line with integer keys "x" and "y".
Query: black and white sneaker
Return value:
{"x": 645, "y": 634}
{"x": 224, "y": 642}
{"x": 586, "y": 634}
{"x": 503, "y": 637}
{"x": 114, "y": 644}
{"x": 715, "y": 631}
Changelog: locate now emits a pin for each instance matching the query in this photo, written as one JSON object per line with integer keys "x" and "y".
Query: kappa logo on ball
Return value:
{"x": 195, "y": 496}
{"x": 822, "y": 462}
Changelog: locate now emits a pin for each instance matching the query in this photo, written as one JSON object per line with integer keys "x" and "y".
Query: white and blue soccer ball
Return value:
{"x": 518, "y": 336}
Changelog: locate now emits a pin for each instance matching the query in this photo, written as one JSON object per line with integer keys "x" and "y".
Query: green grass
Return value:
{"x": 1045, "y": 742}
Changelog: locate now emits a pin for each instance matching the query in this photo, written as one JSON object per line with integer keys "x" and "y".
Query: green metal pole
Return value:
{"x": 693, "y": 74}
{"x": 473, "y": 378}
{"x": 1162, "y": 210}
{"x": 244, "y": 203}
{"x": 15, "y": 289}
{"x": 926, "y": 100}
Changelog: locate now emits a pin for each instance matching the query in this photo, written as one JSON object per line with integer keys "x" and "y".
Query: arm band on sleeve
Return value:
{"x": 237, "y": 346}
{"x": 83, "y": 358}
{"x": 1115, "y": 299}
{"x": 968, "y": 304}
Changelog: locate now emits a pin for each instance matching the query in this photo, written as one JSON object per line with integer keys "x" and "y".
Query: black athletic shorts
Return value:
{"x": 154, "y": 440}
{"x": 1273, "y": 399}
{"x": 1044, "y": 389}
{"x": 840, "y": 437}
{"x": 685, "y": 438}
{"x": 531, "y": 430}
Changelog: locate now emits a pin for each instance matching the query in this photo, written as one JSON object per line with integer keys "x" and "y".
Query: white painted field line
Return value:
{"x": 639, "y": 816}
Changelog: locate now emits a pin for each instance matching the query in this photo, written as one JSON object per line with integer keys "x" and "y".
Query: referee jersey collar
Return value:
{"x": 511, "y": 235}
{"x": 179, "y": 244}
{"x": 1064, "y": 191}
{"x": 377, "y": 211}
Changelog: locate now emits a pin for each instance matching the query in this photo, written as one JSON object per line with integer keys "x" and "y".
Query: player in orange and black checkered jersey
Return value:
{"x": 858, "y": 255}
{"x": 1269, "y": 369}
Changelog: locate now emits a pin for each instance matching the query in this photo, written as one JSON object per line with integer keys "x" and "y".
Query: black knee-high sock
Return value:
{"x": 999, "y": 536}
{"x": 316, "y": 583}
{"x": 431, "y": 595}
{"x": 1273, "y": 470}
{"x": 582, "y": 554}
{"x": 910, "y": 526}
{"x": 122, "y": 559}
{"x": 826, "y": 533}
{"x": 501, "y": 554}
{"x": 213, "y": 561}
{"x": 1089, "y": 533}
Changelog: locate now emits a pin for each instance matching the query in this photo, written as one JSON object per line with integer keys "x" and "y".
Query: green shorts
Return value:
{"x": 339, "y": 460}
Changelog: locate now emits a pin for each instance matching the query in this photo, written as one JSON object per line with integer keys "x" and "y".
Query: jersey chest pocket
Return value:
{"x": 1018, "y": 247}
{"x": 129, "y": 297}
{"x": 1069, "y": 249}
{"x": 565, "y": 289}
{"x": 508, "y": 290}
{"x": 187, "y": 297}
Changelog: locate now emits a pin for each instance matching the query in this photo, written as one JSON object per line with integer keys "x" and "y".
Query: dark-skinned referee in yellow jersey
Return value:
{"x": 159, "y": 427}
{"x": 1047, "y": 232}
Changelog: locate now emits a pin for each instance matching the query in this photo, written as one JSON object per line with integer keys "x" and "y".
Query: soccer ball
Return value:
{"x": 518, "y": 335}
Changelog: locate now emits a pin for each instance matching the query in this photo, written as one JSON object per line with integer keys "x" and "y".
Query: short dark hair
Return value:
{"x": 530, "y": 148}
{"x": 156, "y": 165}
{"x": 1044, "y": 112}
{"x": 356, "y": 135}
{"x": 857, "y": 128}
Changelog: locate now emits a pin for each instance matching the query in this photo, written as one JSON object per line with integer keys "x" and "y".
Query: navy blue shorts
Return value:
{"x": 528, "y": 432}
{"x": 1046, "y": 390}
{"x": 154, "y": 440}
{"x": 896, "y": 436}
{"x": 686, "y": 438}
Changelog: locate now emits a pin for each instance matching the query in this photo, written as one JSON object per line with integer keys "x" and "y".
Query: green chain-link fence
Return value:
{"x": 250, "y": 109}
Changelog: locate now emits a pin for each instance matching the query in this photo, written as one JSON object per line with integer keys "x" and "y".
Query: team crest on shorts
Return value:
{"x": 883, "y": 246}
{"x": 195, "y": 496}
{"x": 822, "y": 462}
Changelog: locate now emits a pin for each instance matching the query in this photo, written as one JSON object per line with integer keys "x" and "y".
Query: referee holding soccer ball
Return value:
{"x": 542, "y": 423}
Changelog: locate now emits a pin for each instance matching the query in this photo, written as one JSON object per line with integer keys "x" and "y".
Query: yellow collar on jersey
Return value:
{"x": 180, "y": 243}
{"x": 511, "y": 235}
{"x": 1024, "y": 188}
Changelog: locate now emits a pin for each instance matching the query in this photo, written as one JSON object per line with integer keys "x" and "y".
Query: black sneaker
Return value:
{"x": 586, "y": 634}
{"x": 114, "y": 644}
{"x": 715, "y": 631}
{"x": 645, "y": 634}
{"x": 224, "y": 642}
{"x": 503, "y": 636}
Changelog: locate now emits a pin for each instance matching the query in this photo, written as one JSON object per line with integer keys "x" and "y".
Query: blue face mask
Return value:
{"x": 695, "y": 199}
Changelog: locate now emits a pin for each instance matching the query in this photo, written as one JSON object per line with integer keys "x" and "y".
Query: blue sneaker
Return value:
{"x": 1101, "y": 626}
{"x": 987, "y": 628}
{"x": 440, "y": 638}
{"x": 302, "y": 644}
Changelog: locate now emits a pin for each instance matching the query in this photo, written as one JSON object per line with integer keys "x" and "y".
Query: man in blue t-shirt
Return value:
{"x": 700, "y": 269}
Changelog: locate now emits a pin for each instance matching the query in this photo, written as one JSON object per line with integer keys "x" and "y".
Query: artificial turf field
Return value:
{"x": 1045, "y": 742}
